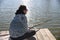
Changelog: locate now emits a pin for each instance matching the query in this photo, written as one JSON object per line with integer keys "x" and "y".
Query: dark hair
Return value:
{"x": 21, "y": 9}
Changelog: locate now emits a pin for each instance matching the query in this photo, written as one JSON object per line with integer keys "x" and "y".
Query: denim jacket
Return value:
{"x": 18, "y": 26}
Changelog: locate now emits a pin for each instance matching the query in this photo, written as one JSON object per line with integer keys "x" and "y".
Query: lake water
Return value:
{"x": 42, "y": 13}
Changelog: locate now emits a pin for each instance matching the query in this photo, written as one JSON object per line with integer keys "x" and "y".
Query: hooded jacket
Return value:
{"x": 18, "y": 26}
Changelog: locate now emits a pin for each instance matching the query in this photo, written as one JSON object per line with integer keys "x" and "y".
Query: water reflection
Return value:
{"x": 25, "y": 1}
{"x": 44, "y": 13}
{"x": 1, "y": 1}
{"x": 39, "y": 10}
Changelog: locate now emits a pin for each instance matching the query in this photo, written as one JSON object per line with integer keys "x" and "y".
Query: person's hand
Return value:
{"x": 30, "y": 27}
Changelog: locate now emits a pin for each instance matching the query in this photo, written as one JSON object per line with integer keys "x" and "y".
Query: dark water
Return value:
{"x": 43, "y": 13}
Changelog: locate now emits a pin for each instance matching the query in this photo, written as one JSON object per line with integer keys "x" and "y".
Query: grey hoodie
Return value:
{"x": 18, "y": 26}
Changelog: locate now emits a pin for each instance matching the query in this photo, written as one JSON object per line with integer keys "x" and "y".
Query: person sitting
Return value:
{"x": 18, "y": 27}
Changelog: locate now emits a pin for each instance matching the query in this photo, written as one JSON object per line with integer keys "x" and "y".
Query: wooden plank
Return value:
{"x": 39, "y": 36}
{"x": 42, "y": 34}
{"x": 4, "y": 37}
{"x": 4, "y": 33}
{"x": 36, "y": 35}
{"x": 47, "y": 35}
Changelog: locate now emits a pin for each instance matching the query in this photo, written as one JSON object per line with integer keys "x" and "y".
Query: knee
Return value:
{"x": 33, "y": 32}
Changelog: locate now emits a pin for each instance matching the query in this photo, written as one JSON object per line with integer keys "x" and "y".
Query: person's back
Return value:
{"x": 18, "y": 27}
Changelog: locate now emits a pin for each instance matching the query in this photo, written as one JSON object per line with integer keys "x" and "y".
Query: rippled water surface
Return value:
{"x": 42, "y": 13}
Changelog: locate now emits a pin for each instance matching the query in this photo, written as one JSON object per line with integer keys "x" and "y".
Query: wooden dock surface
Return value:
{"x": 42, "y": 34}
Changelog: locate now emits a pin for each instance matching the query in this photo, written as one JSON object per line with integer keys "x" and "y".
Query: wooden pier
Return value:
{"x": 42, "y": 34}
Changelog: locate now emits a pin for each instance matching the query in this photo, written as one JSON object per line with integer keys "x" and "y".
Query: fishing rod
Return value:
{"x": 34, "y": 26}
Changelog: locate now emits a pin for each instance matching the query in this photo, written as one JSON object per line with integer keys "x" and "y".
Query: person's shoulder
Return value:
{"x": 21, "y": 16}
